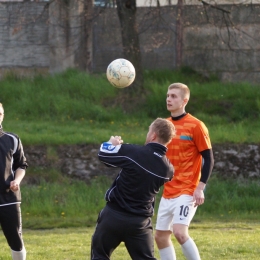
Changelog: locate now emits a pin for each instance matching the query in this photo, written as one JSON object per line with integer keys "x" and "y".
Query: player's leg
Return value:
{"x": 20, "y": 255}
{"x": 107, "y": 235}
{"x": 139, "y": 239}
{"x": 164, "y": 229}
{"x": 184, "y": 212}
{"x": 190, "y": 250}
{"x": 11, "y": 224}
{"x": 164, "y": 244}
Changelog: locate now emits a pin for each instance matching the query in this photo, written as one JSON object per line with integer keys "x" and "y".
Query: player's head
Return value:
{"x": 1, "y": 113}
{"x": 184, "y": 90}
{"x": 161, "y": 131}
{"x": 178, "y": 95}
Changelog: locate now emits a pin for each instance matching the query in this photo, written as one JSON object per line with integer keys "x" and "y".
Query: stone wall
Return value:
{"x": 81, "y": 161}
{"x": 46, "y": 37}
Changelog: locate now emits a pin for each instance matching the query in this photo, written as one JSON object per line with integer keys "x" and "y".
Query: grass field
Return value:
{"x": 215, "y": 239}
{"x": 61, "y": 219}
{"x": 76, "y": 108}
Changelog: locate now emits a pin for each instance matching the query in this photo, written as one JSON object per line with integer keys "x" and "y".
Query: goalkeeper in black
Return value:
{"x": 12, "y": 170}
{"x": 130, "y": 200}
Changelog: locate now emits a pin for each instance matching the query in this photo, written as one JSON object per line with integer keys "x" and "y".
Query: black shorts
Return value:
{"x": 114, "y": 227}
{"x": 11, "y": 223}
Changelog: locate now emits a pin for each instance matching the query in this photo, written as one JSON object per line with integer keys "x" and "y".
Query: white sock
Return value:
{"x": 167, "y": 253}
{"x": 190, "y": 250}
{"x": 19, "y": 255}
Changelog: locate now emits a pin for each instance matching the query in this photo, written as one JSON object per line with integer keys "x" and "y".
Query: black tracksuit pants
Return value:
{"x": 10, "y": 220}
{"x": 114, "y": 227}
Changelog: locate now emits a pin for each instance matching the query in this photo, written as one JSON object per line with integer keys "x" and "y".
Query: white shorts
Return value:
{"x": 179, "y": 210}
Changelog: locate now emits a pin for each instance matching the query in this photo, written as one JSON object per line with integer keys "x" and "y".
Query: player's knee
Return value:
{"x": 181, "y": 236}
{"x": 162, "y": 238}
{"x": 181, "y": 233}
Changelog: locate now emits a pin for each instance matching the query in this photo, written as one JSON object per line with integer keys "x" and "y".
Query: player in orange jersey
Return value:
{"x": 191, "y": 154}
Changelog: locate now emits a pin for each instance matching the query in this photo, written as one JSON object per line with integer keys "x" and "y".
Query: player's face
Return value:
{"x": 1, "y": 115}
{"x": 175, "y": 102}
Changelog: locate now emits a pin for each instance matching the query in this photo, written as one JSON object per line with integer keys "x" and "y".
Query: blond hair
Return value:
{"x": 185, "y": 91}
{"x": 164, "y": 130}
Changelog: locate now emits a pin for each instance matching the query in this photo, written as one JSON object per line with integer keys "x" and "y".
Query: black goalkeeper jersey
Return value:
{"x": 144, "y": 169}
{"x": 11, "y": 158}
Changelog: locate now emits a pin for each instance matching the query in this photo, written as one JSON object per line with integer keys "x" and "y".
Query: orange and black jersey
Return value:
{"x": 144, "y": 169}
{"x": 186, "y": 151}
{"x": 11, "y": 158}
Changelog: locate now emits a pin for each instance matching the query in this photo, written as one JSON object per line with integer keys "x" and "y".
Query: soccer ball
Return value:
{"x": 121, "y": 73}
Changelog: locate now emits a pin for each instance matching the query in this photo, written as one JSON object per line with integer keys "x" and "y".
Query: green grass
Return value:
{"x": 75, "y": 107}
{"x": 215, "y": 239}
{"x": 62, "y": 202}
{"x": 56, "y": 201}
{"x": 231, "y": 198}
{"x": 77, "y": 132}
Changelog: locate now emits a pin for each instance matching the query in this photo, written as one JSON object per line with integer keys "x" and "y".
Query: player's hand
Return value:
{"x": 198, "y": 195}
{"x": 116, "y": 140}
{"x": 14, "y": 186}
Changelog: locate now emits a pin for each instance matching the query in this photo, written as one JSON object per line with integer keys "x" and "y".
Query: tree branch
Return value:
{"x": 215, "y": 6}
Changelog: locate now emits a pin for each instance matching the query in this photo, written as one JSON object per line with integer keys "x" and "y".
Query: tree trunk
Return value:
{"x": 179, "y": 32}
{"x": 84, "y": 52}
{"x": 70, "y": 35}
{"x": 126, "y": 10}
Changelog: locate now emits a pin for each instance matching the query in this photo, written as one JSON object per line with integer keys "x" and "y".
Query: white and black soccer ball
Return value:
{"x": 121, "y": 73}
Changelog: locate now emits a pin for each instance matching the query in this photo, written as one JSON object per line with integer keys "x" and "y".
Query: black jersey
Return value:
{"x": 144, "y": 169}
{"x": 11, "y": 158}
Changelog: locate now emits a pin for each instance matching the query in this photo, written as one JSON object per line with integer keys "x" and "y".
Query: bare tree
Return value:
{"x": 236, "y": 36}
{"x": 71, "y": 34}
{"x": 179, "y": 33}
{"x": 84, "y": 53}
{"x": 126, "y": 10}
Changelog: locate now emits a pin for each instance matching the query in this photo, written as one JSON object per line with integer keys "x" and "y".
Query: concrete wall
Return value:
{"x": 43, "y": 37}
{"x": 224, "y": 44}
{"x": 157, "y": 38}
{"x": 24, "y": 41}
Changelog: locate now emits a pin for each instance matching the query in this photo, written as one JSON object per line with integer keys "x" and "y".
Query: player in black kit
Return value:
{"x": 12, "y": 170}
{"x": 130, "y": 200}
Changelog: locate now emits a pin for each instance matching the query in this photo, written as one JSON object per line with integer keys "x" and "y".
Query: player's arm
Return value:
{"x": 19, "y": 166}
{"x": 15, "y": 184}
{"x": 208, "y": 162}
{"x": 19, "y": 159}
{"x": 110, "y": 152}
